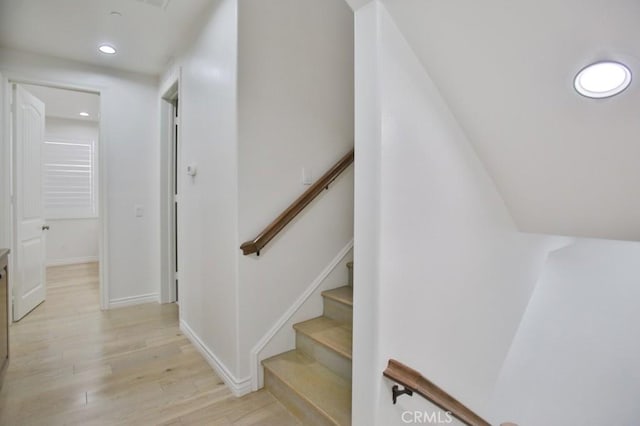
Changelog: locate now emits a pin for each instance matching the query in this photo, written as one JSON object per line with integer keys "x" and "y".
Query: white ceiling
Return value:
{"x": 147, "y": 35}
{"x": 564, "y": 164}
{"x": 62, "y": 103}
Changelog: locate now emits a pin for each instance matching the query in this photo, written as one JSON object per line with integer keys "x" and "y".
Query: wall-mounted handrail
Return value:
{"x": 413, "y": 381}
{"x": 256, "y": 244}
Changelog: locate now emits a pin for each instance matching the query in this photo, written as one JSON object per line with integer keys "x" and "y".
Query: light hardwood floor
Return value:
{"x": 74, "y": 364}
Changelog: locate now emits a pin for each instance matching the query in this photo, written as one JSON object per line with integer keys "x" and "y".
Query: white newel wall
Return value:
{"x": 448, "y": 277}
{"x": 72, "y": 240}
{"x": 129, "y": 138}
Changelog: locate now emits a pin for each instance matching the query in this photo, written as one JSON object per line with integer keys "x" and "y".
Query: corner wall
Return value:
{"x": 208, "y": 205}
{"x": 575, "y": 358}
{"x": 441, "y": 273}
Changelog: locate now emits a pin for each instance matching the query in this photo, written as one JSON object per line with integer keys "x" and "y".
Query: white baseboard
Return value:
{"x": 133, "y": 300}
{"x": 72, "y": 261}
{"x": 238, "y": 387}
{"x": 255, "y": 352}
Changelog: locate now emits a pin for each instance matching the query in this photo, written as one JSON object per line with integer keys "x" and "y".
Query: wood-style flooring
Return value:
{"x": 73, "y": 364}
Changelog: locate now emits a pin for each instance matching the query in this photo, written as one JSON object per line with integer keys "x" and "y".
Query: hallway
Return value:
{"x": 72, "y": 363}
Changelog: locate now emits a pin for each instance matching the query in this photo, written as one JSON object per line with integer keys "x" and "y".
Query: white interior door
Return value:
{"x": 29, "y": 288}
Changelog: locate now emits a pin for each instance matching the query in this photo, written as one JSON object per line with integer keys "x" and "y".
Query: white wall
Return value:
{"x": 295, "y": 110}
{"x": 442, "y": 277}
{"x": 72, "y": 240}
{"x": 207, "y": 212}
{"x": 129, "y": 141}
{"x": 575, "y": 358}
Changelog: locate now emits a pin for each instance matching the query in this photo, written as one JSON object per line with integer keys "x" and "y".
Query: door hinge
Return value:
{"x": 176, "y": 198}
{"x": 177, "y": 121}
{"x": 177, "y": 276}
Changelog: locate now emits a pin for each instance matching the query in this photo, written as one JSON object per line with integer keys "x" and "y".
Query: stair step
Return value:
{"x": 342, "y": 295}
{"x": 338, "y": 304}
{"x": 335, "y": 335}
{"x": 308, "y": 389}
{"x": 328, "y": 342}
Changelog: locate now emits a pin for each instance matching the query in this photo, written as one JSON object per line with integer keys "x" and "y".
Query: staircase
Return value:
{"x": 314, "y": 380}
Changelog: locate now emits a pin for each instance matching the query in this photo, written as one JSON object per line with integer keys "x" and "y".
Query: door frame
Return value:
{"x": 9, "y": 78}
{"x": 168, "y": 173}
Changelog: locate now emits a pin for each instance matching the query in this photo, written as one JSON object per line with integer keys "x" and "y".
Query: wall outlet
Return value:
{"x": 139, "y": 210}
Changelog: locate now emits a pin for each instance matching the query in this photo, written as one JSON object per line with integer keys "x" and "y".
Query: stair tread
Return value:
{"x": 340, "y": 294}
{"x": 333, "y": 334}
{"x": 326, "y": 391}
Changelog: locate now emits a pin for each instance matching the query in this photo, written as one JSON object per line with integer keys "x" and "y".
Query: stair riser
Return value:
{"x": 300, "y": 408}
{"x": 338, "y": 311}
{"x": 329, "y": 358}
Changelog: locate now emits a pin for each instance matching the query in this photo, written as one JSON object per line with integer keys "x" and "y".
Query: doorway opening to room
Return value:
{"x": 170, "y": 194}
{"x": 56, "y": 232}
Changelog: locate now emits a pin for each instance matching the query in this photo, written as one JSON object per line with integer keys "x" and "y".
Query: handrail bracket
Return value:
{"x": 397, "y": 392}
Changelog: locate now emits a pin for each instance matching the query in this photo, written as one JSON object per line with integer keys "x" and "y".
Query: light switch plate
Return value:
{"x": 307, "y": 176}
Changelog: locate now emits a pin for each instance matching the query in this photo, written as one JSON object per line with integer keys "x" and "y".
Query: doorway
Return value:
{"x": 170, "y": 194}
{"x": 55, "y": 188}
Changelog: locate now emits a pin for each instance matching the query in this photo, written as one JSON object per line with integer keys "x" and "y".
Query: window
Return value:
{"x": 69, "y": 179}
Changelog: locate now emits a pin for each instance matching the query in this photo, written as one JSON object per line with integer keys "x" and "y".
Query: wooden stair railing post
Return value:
{"x": 258, "y": 243}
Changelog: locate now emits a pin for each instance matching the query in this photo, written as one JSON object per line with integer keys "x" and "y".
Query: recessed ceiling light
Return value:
{"x": 602, "y": 79}
{"x": 84, "y": 114}
{"x": 107, "y": 49}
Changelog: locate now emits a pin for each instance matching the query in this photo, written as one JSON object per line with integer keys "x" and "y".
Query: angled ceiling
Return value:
{"x": 147, "y": 34}
{"x": 564, "y": 164}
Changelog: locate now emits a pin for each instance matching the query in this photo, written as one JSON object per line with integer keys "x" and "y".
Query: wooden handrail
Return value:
{"x": 255, "y": 245}
{"x": 413, "y": 381}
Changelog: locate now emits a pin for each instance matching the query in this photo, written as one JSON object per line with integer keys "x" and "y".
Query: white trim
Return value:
{"x": 6, "y": 192}
{"x": 133, "y": 300}
{"x": 239, "y": 387}
{"x": 72, "y": 261}
{"x": 103, "y": 210}
{"x": 255, "y": 351}
{"x": 168, "y": 155}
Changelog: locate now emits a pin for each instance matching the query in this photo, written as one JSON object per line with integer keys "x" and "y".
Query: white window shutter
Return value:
{"x": 69, "y": 179}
